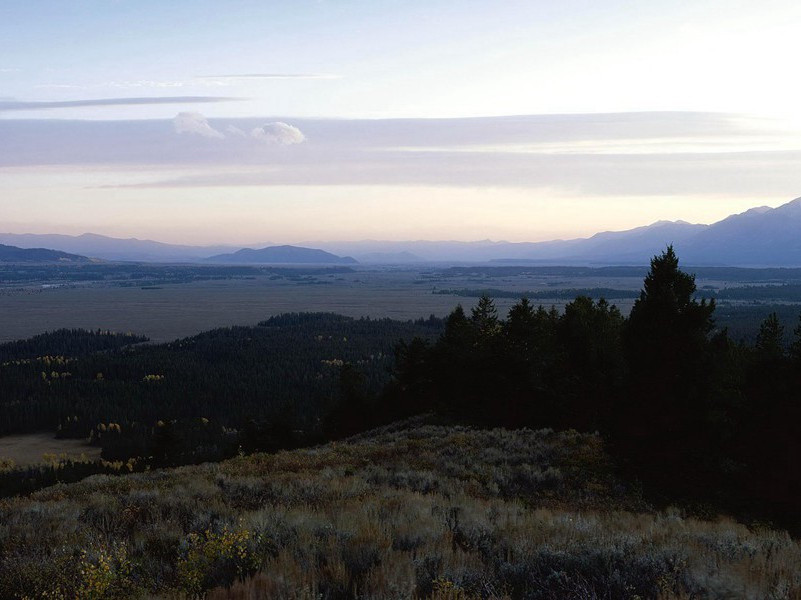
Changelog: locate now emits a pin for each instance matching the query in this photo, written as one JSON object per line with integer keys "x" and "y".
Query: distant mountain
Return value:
{"x": 633, "y": 246}
{"x": 761, "y": 236}
{"x": 389, "y": 258}
{"x": 282, "y": 255}
{"x": 12, "y": 254}
{"x": 431, "y": 251}
{"x": 758, "y": 237}
{"x": 109, "y": 248}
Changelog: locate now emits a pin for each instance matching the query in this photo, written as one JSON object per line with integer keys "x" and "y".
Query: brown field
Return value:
{"x": 180, "y": 310}
{"x": 29, "y": 449}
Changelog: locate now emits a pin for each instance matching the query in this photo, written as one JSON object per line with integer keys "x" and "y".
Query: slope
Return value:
{"x": 406, "y": 511}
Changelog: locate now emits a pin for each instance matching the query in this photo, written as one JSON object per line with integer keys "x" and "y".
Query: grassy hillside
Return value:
{"x": 410, "y": 511}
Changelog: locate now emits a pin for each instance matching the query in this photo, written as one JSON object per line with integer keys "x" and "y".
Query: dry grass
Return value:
{"x": 38, "y": 448}
{"x": 405, "y": 512}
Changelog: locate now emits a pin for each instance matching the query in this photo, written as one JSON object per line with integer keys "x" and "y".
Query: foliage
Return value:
{"x": 263, "y": 387}
{"x": 410, "y": 510}
{"x": 689, "y": 412}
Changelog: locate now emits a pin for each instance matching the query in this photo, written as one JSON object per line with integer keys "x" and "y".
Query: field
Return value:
{"x": 409, "y": 511}
{"x": 170, "y": 311}
{"x": 31, "y": 449}
{"x": 165, "y": 303}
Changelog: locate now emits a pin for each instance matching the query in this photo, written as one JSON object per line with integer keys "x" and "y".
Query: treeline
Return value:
{"x": 556, "y": 293}
{"x": 200, "y": 398}
{"x": 137, "y": 274}
{"x": 66, "y": 342}
{"x": 783, "y": 292}
{"x": 687, "y": 410}
{"x": 749, "y": 275}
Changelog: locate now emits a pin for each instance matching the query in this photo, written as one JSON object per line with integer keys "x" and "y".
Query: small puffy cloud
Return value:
{"x": 279, "y": 133}
{"x": 191, "y": 122}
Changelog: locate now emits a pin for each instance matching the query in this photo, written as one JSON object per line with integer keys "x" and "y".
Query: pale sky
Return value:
{"x": 238, "y": 121}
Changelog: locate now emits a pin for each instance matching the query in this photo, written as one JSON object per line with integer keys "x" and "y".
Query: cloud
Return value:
{"x": 192, "y": 122}
{"x": 648, "y": 154}
{"x": 272, "y": 76}
{"x": 27, "y": 105}
{"x": 234, "y": 131}
{"x": 279, "y": 133}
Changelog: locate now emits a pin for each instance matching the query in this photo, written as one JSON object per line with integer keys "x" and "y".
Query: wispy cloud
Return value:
{"x": 28, "y": 105}
{"x": 202, "y": 81}
{"x": 273, "y": 76}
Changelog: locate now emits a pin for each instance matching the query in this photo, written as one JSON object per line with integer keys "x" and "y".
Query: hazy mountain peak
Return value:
{"x": 664, "y": 222}
{"x": 758, "y": 210}
{"x": 792, "y": 206}
{"x": 285, "y": 254}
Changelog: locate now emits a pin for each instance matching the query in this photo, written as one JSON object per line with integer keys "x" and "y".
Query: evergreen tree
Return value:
{"x": 795, "y": 347}
{"x": 770, "y": 340}
{"x": 485, "y": 317}
{"x": 667, "y": 346}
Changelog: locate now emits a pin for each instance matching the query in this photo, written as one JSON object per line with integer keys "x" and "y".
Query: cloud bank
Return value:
{"x": 275, "y": 133}
{"x": 634, "y": 154}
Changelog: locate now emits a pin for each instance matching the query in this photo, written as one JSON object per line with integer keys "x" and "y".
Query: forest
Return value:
{"x": 687, "y": 410}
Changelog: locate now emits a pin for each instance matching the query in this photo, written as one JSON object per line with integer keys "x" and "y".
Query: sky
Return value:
{"x": 236, "y": 122}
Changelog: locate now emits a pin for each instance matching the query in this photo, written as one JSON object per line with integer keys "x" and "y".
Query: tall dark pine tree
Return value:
{"x": 667, "y": 345}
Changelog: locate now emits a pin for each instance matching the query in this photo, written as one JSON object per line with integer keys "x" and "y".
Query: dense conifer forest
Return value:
{"x": 687, "y": 410}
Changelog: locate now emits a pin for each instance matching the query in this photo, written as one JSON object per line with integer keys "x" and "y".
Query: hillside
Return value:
{"x": 282, "y": 255}
{"x": 406, "y": 511}
{"x": 110, "y": 248}
{"x": 12, "y": 254}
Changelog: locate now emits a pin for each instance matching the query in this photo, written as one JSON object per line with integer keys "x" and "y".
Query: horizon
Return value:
{"x": 309, "y": 242}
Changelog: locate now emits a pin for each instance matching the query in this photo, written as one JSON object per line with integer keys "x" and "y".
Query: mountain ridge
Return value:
{"x": 15, "y": 254}
{"x": 285, "y": 254}
{"x": 760, "y": 236}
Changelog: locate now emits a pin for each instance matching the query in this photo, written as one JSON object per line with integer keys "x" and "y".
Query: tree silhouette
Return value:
{"x": 795, "y": 346}
{"x": 770, "y": 340}
{"x": 667, "y": 346}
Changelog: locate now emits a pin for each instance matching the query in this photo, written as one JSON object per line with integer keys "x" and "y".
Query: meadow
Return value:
{"x": 412, "y": 510}
{"x": 36, "y": 448}
{"x": 169, "y": 302}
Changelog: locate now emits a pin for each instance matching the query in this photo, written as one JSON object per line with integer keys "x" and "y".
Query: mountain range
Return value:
{"x": 761, "y": 236}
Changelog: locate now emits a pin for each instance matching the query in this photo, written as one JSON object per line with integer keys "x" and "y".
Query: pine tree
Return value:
{"x": 770, "y": 340}
{"x": 667, "y": 345}
{"x": 795, "y": 347}
{"x": 485, "y": 317}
